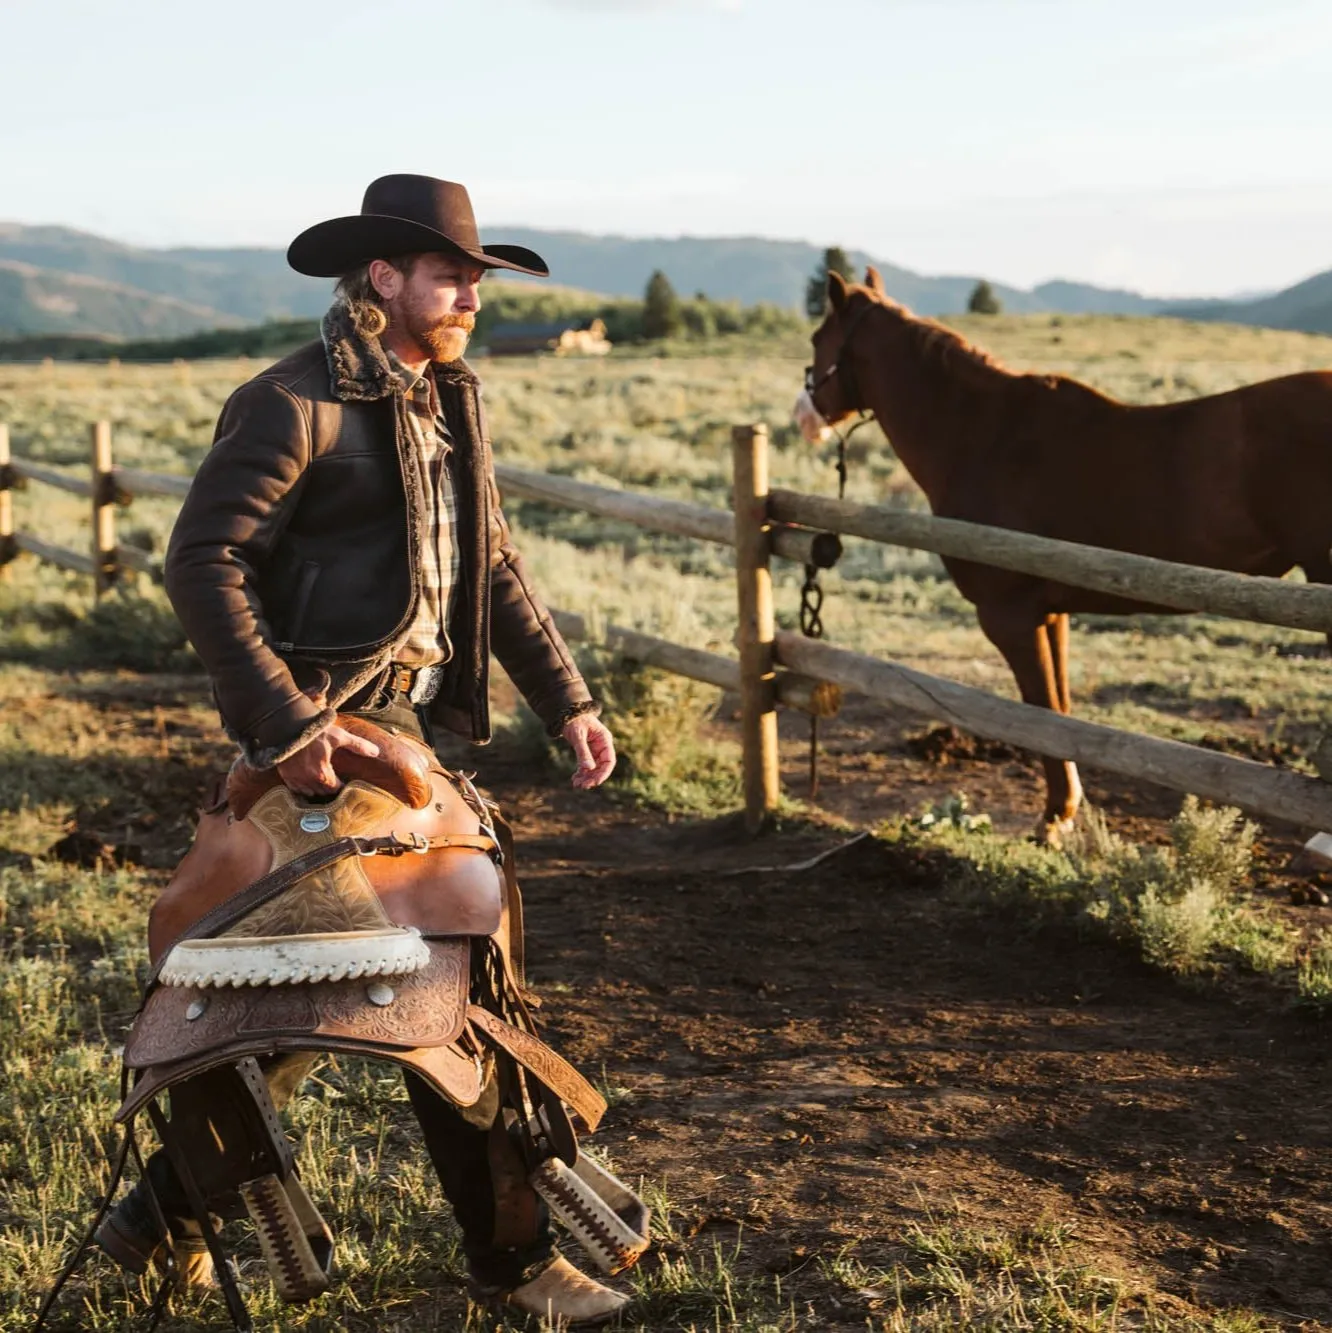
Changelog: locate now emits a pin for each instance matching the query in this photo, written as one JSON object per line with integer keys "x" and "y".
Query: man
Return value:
{"x": 342, "y": 550}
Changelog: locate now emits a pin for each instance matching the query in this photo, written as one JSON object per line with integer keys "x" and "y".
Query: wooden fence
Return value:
{"x": 786, "y": 669}
{"x": 107, "y": 488}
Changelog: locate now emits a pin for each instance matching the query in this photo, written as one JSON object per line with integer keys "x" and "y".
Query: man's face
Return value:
{"x": 434, "y": 303}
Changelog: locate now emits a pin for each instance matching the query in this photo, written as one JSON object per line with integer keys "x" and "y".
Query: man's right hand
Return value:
{"x": 309, "y": 772}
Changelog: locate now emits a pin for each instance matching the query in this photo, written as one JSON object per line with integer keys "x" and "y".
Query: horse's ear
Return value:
{"x": 838, "y": 291}
{"x": 874, "y": 281}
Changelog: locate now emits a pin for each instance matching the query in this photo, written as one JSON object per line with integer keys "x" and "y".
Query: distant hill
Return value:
{"x": 58, "y": 280}
{"x": 208, "y": 288}
{"x": 43, "y": 300}
{"x": 224, "y": 286}
{"x": 752, "y": 269}
{"x": 1305, "y": 307}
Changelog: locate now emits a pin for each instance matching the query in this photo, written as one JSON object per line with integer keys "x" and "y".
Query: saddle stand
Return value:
{"x": 384, "y": 923}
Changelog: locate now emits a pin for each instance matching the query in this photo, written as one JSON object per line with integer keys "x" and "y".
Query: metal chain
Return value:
{"x": 811, "y": 626}
{"x": 811, "y": 604}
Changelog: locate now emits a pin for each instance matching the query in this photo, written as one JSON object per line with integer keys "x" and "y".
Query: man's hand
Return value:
{"x": 309, "y": 772}
{"x": 594, "y": 749}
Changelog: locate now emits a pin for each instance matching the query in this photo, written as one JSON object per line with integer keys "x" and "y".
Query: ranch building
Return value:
{"x": 563, "y": 338}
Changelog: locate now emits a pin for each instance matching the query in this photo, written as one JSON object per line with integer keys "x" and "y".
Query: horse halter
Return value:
{"x": 850, "y": 387}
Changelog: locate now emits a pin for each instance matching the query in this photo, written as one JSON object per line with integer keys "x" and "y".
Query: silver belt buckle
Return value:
{"x": 425, "y": 686}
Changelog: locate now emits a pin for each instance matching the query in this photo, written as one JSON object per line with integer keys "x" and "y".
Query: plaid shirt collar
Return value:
{"x": 409, "y": 379}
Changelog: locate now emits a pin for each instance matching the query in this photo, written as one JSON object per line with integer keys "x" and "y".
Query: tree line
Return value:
{"x": 982, "y": 301}
{"x": 661, "y": 315}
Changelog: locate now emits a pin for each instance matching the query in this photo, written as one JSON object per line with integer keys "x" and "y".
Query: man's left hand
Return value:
{"x": 593, "y": 747}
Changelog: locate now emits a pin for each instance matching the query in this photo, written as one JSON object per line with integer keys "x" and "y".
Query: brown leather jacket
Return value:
{"x": 293, "y": 564}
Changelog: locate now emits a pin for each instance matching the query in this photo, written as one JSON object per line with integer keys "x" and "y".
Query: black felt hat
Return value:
{"x": 403, "y": 215}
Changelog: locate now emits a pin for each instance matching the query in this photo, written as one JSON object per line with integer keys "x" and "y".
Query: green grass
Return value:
{"x": 951, "y": 1278}
{"x": 665, "y": 757}
{"x": 1182, "y": 907}
{"x": 662, "y": 423}
{"x": 72, "y": 937}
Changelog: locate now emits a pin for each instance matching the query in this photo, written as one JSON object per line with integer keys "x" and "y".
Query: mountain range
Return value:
{"x": 55, "y": 280}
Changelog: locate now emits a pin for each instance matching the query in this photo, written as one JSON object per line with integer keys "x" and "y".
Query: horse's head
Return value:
{"x": 832, "y": 389}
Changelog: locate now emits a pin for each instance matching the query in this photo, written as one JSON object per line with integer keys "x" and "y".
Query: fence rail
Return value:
{"x": 780, "y": 668}
{"x": 677, "y": 517}
{"x": 48, "y": 476}
{"x": 819, "y": 698}
{"x": 1262, "y": 788}
{"x": 130, "y": 481}
{"x": 1140, "y": 578}
{"x": 107, "y": 488}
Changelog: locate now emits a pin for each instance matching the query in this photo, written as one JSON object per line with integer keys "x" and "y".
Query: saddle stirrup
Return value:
{"x": 224, "y": 1139}
{"x": 603, "y": 1214}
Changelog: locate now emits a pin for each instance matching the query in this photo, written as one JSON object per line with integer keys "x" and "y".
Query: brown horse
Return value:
{"x": 1240, "y": 480}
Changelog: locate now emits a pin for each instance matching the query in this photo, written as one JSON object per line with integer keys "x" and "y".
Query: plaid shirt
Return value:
{"x": 426, "y": 642}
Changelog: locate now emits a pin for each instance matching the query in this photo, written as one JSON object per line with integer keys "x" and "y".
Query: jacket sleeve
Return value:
{"x": 238, "y": 504}
{"x": 524, "y": 637}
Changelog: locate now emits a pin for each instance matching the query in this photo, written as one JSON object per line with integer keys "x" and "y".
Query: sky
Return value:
{"x": 1176, "y": 147}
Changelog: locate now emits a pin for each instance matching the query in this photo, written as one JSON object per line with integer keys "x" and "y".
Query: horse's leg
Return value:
{"x": 1056, "y": 630}
{"x": 1027, "y": 643}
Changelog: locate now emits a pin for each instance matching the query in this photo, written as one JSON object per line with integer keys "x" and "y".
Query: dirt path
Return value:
{"x": 814, "y": 1062}
{"x": 824, "y": 1058}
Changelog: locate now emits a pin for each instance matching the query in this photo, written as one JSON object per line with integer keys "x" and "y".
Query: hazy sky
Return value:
{"x": 1175, "y": 146}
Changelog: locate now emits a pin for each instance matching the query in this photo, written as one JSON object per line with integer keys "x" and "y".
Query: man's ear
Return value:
{"x": 385, "y": 279}
{"x": 874, "y": 281}
{"x": 838, "y": 291}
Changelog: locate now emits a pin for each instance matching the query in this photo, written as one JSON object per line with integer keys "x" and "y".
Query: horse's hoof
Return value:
{"x": 1052, "y": 832}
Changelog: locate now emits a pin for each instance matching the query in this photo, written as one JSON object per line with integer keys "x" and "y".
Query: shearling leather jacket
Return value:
{"x": 293, "y": 563}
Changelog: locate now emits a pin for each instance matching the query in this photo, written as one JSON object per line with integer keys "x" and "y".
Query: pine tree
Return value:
{"x": 816, "y": 291}
{"x": 661, "y": 308}
{"x": 983, "y": 301}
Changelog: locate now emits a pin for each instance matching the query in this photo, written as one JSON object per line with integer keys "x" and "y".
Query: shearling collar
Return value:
{"x": 358, "y": 368}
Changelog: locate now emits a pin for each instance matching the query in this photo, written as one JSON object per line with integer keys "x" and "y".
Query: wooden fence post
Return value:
{"x": 8, "y": 546}
{"x": 758, "y": 705}
{"x": 103, "y": 508}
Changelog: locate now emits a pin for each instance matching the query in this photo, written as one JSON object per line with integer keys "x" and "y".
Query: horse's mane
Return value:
{"x": 948, "y": 351}
{"x": 947, "y": 348}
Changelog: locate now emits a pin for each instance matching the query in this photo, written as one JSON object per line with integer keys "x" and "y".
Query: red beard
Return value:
{"x": 439, "y": 338}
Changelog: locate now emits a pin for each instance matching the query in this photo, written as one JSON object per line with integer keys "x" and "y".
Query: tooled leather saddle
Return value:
{"x": 385, "y": 922}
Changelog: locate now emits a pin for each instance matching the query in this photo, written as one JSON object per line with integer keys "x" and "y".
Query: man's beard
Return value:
{"x": 445, "y": 338}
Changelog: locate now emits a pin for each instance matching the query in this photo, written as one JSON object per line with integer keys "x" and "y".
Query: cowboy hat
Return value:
{"x": 402, "y": 215}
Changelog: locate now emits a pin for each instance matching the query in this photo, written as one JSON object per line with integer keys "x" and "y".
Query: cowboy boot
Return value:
{"x": 559, "y": 1294}
{"x": 131, "y": 1235}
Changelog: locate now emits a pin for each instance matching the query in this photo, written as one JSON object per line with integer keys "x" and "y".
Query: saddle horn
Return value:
{"x": 402, "y": 768}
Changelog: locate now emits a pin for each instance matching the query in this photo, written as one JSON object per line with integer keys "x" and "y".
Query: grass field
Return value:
{"x": 663, "y": 424}
{"x": 84, "y": 744}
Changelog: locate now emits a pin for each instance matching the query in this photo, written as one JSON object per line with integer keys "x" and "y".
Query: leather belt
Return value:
{"x": 419, "y": 684}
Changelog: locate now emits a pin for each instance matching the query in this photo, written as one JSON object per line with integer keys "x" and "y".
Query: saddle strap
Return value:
{"x": 269, "y": 886}
{"x": 555, "y": 1072}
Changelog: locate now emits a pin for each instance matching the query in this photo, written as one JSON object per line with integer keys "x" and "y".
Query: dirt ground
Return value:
{"x": 817, "y": 1059}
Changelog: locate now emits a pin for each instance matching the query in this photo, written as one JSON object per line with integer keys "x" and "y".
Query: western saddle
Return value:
{"x": 386, "y": 923}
